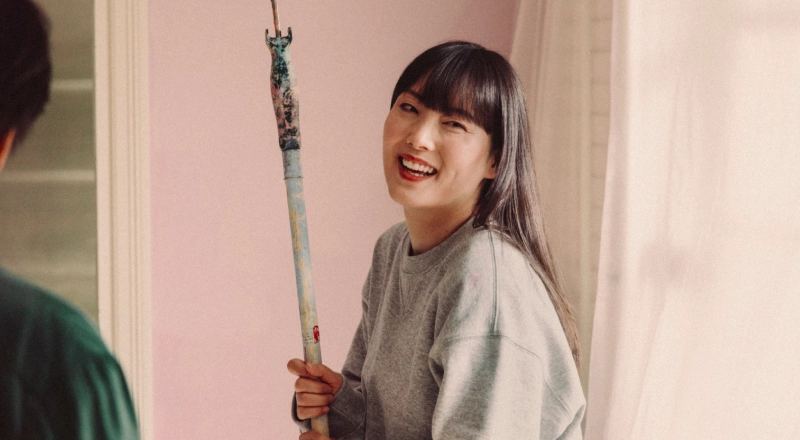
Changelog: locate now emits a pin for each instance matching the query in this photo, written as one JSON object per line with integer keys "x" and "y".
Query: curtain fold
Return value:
{"x": 552, "y": 56}
{"x": 697, "y": 321}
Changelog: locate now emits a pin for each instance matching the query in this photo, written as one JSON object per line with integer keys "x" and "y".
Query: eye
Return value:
{"x": 456, "y": 124}
{"x": 408, "y": 108}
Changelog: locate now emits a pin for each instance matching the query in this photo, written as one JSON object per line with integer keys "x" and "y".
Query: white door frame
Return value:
{"x": 123, "y": 194}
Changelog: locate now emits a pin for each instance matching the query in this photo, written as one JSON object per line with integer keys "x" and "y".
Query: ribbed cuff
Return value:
{"x": 348, "y": 412}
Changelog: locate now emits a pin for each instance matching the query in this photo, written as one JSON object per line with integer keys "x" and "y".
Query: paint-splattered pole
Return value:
{"x": 284, "y": 99}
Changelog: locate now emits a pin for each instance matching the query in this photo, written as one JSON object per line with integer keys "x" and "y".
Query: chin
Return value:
{"x": 399, "y": 197}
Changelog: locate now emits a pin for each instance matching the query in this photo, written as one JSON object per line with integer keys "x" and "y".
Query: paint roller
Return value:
{"x": 284, "y": 98}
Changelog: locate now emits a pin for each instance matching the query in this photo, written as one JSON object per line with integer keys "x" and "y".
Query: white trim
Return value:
{"x": 48, "y": 176}
{"x": 123, "y": 194}
{"x": 72, "y": 85}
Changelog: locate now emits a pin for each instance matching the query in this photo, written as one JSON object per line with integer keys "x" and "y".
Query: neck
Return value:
{"x": 428, "y": 229}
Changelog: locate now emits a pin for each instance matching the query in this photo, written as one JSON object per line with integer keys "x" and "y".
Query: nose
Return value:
{"x": 421, "y": 134}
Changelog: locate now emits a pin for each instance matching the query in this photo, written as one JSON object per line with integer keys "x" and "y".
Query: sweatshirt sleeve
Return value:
{"x": 501, "y": 361}
{"x": 491, "y": 388}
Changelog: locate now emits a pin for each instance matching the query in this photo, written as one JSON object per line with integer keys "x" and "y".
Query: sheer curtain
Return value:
{"x": 697, "y": 322}
{"x": 561, "y": 53}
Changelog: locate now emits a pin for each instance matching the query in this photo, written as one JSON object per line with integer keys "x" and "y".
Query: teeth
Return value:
{"x": 417, "y": 167}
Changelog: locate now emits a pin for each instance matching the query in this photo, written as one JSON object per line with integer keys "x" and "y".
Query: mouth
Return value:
{"x": 416, "y": 167}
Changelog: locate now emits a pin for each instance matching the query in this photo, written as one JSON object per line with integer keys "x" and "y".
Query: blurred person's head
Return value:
{"x": 25, "y": 70}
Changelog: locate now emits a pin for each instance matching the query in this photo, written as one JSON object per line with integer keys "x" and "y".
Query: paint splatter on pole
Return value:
{"x": 284, "y": 98}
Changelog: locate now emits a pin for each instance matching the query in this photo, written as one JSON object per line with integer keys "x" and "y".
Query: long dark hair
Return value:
{"x": 466, "y": 76}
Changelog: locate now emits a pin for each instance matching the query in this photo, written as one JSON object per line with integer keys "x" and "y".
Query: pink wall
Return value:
{"x": 224, "y": 303}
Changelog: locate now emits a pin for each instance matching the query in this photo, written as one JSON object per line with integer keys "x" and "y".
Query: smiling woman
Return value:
{"x": 434, "y": 162}
{"x": 465, "y": 332}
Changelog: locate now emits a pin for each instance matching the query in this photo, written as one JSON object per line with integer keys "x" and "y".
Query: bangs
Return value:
{"x": 458, "y": 82}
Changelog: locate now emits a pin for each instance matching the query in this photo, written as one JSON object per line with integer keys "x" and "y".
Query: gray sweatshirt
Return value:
{"x": 461, "y": 342}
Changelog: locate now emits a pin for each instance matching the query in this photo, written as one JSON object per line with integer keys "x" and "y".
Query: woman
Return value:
{"x": 465, "y": 332}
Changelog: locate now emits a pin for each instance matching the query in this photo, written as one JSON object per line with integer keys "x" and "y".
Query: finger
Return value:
{"x": 310, "y": 412}
{"x": 309, "y": 399}
{"x": 311, "y": 435}
{"x": 314, "y": 436}
{"x": 325, "y": 374}
{"x": 306, "y": 385}
{"x": 298, "y": 368}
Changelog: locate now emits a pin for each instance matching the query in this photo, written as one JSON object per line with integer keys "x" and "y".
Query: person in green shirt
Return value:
{"x": 58, "y": 380}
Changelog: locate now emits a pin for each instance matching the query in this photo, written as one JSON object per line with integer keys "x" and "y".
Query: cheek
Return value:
{"x": 390, "y": 130}
{"x": 387, "y": 147}
{"x": 392, "y": 136}
{"x": 388, "y": 153}
{"x": 388, "y": 159}
{"x": 385, "y": 134}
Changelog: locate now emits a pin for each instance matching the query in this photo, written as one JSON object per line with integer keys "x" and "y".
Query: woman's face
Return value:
{"x": 434, "y": 163}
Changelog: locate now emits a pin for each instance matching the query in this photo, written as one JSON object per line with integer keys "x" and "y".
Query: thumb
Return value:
{"x": 325, "y": 374}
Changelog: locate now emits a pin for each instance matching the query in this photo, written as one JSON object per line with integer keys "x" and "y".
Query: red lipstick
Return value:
{"x": 423, "y": 169}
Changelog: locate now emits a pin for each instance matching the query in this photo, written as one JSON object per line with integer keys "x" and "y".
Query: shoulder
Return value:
{"x": 38, "y": 307}
{"x": 523, "y": 311}
{"x": 497, "y": 292}
{"x": 37, "y": 324}
{"x": 501, "y": 299}
{"x": 527, "y": 318}
{"x": 383, "y": 255}
{"x": 54, "y": 359}
{"x": 479, "y": 249}
{"x": 497, "y": 272}
{"x": 387, "y": 246}
{"x": 466, "y": 293}
{"x": 391, "y": 238}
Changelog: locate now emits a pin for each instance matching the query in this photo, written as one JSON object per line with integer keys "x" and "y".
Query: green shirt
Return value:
{"x": 58, "y": 380}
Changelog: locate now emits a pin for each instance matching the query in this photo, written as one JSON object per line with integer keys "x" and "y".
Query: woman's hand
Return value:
{"x": 315, "y": 388}
{"x": 311, "y": 435}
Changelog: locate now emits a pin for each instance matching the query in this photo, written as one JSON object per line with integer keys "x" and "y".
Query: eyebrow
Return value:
{"x": 448, "y": 111}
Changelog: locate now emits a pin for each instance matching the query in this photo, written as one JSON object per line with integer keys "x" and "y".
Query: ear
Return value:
{"x": 491, "y": 172}
{"x": 6, "y": 141}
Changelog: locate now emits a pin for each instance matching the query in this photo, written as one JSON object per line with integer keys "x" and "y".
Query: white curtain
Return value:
{"x": 697, "y": 322}
{"x": 553, "y": 54}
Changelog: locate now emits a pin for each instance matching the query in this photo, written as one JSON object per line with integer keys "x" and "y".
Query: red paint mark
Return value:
{"x": 316, "y": 334}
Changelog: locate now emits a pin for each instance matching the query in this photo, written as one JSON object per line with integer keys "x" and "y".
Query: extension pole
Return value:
{"x": 284, "y": 99}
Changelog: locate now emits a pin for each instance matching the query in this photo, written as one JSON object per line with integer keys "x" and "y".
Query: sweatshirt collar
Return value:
{"x": 423, "y": 262}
